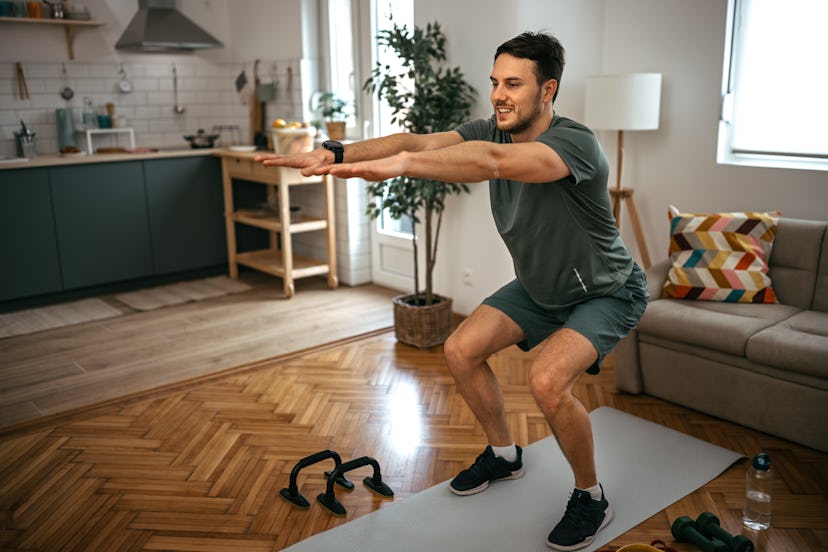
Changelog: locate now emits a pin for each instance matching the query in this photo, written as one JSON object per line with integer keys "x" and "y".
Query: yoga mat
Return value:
{"x": 644, "y": 467}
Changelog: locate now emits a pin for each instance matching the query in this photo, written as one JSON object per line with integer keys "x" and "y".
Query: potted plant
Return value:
{"x": 424, "y": 97}
{"x": 334, "y": 111}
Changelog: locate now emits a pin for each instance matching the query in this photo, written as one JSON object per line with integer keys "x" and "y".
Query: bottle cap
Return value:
{"x": 762, "y": 461}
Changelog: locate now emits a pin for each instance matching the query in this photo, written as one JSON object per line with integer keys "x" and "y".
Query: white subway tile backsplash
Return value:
{"x": 46, "y": 101}
{"x": 207, "y": 91}
{"x": 88, "y": 86}
{"x": 143, "y": 84}
{"x": 160, "y": 70}
{"x": 163, "y": 125}
{"x": 109, "y": 70}
{"x": 40, "y": 70}
{"x": 8, "y": 118}
{"x": 146, "y": 112}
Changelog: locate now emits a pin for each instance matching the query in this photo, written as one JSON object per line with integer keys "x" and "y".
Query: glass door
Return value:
{"x": 392, "y": 262}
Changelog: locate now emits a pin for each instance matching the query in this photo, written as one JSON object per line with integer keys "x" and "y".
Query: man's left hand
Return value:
{"x": 372, "y": 171}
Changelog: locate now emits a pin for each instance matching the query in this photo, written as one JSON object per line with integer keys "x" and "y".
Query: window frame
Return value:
{"x": 726, "y": 153}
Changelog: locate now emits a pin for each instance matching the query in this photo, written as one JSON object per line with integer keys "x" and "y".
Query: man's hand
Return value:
{"x": 312, "y": 163}
{"x": 372, "y": 171}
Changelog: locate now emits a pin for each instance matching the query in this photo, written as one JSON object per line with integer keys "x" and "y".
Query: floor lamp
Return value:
{"x": 624, "y": 102}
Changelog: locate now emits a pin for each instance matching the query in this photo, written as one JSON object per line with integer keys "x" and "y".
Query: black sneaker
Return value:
{"x": 488, "y": 468}
{"x": 583, "y": 518}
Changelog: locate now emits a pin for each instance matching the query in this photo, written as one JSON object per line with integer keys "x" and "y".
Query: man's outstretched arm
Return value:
{"x": 320, "y": 160}
{"x": 473, "y": 161}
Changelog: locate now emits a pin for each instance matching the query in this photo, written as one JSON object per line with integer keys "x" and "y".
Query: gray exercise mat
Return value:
{"x": 644, "y": 467}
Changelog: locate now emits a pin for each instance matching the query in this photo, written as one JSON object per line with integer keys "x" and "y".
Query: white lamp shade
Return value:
{"x": 623, "y": 102}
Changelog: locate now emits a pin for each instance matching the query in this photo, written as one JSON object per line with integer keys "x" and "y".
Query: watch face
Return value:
{"x": 336, "y": 147}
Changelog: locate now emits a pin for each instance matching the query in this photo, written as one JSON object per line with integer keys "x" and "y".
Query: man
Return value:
{"x": 577, "y": 291}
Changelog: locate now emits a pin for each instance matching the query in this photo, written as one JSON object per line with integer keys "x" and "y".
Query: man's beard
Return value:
{"x": 523, "y": 123}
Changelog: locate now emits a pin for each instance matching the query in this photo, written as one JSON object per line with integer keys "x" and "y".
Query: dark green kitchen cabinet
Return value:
{"x": 28, "y": 246}
{"x": 101, "y": 221}
{"x": 186, "y": 213}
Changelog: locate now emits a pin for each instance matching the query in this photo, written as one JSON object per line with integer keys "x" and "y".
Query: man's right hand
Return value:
{"x": 311, "y": 163}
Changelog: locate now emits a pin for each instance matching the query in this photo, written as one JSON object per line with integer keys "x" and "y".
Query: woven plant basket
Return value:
{"x": 422, "y": 327}
{"x": 335, "y": 129}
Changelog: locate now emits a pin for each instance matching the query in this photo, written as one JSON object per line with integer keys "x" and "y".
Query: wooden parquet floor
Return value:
{"x": 199, "y": 467}
{"x": 50, "y": 372}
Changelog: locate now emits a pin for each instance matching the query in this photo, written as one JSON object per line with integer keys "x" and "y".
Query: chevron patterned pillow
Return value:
{"x": 721, "y": 257}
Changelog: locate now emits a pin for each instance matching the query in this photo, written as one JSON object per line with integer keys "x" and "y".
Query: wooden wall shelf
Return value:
{"x": 69, "y": 26}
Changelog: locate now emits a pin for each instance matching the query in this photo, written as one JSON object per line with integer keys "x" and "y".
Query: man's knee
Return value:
{"x": 459, "y": 353}
{"x": 485, "y": 332}
{"x": 547, "y": 384}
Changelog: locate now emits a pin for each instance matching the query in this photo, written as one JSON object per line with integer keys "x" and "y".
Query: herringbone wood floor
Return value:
{"x": 199, "y": 467}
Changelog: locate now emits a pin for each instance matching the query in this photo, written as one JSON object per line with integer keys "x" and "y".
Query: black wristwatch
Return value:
{"x": 336, "y": 147}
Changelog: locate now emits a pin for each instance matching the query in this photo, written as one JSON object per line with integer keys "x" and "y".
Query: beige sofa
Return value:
{"x": 762, "y": 366}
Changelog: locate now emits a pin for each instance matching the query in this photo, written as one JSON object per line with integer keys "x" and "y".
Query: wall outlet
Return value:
{"x": 468, "y": 277}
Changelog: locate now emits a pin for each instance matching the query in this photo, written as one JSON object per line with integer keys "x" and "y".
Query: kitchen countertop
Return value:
{"x": 225, "y": 152}
{"x": 57, "y": 160}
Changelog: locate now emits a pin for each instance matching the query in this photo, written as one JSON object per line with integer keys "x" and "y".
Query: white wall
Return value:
{"x": 675, "y": 164}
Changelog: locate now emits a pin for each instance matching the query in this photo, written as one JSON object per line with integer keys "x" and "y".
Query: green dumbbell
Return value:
{"x": 708, "y": 525}
{"x": 684, "y": 530}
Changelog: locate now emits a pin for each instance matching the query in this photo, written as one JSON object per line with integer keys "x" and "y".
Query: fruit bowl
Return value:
{"x": 290, "y": 141}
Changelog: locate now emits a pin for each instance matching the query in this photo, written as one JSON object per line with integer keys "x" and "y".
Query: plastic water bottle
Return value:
{"x": 89, "y": 121}
{"x": 756, "y": 514}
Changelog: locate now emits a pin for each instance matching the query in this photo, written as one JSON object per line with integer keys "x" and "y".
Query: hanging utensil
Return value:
{"x": 266, "y": 90}
{"x": 124, "y": 85}
{"x": 179, "y": 109}
{"x": 66, "y": 92}
{"x": 276, "y": 80}
{"x": 22, "y": 88}
{"x": 255, "y": 106}
{"x": 289, "y": 86}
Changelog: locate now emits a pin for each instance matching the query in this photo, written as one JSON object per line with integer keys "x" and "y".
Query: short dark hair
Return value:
{"x": 544, "y": 49}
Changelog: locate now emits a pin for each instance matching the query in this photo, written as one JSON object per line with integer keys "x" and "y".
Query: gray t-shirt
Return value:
{"x": 561, "y": 234}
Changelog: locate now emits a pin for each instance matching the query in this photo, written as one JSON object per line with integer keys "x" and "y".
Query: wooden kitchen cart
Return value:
{"x": 279, "y": 258}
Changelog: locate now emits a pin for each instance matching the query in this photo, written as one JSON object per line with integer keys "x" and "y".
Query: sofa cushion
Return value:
{"x": 721, "y": 257}
{"x": 742, "y": 363}
{"x": 798, "y": 344}
{"x": 724, "y": 327}
{"x": 798, "y": 256}
{"x": 820, "y": 302}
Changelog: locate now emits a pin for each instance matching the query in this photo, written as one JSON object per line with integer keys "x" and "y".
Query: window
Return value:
{"x": 774, "y": 111}
{"x": 388, "y": 13}
{"x": 341, "y": 54}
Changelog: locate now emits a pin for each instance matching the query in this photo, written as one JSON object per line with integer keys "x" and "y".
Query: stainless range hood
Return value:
{"x": 159, "y": 26}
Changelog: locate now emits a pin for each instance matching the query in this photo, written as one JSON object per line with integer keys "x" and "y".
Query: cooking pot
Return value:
{"x": 201, "y": 139}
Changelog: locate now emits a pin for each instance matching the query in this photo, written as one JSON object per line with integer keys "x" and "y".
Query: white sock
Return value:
{"x": 594, "y": 491}
{"x": 507, "y": 453}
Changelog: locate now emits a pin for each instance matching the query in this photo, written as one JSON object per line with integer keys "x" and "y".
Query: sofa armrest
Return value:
{"x": 656, "y": 276}
{"x": 627, "y": 367}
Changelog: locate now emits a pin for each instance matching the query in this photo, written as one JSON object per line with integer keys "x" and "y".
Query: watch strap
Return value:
{"x": 337, "y": 148}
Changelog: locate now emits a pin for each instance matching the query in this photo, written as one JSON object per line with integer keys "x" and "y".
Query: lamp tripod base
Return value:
{"x": 626, "y": 194}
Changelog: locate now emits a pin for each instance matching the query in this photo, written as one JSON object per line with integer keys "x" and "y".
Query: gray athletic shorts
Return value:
{"x": 603, "y": 320}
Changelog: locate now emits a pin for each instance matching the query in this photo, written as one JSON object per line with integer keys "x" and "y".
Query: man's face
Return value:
{"x": 517, "y": 98}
